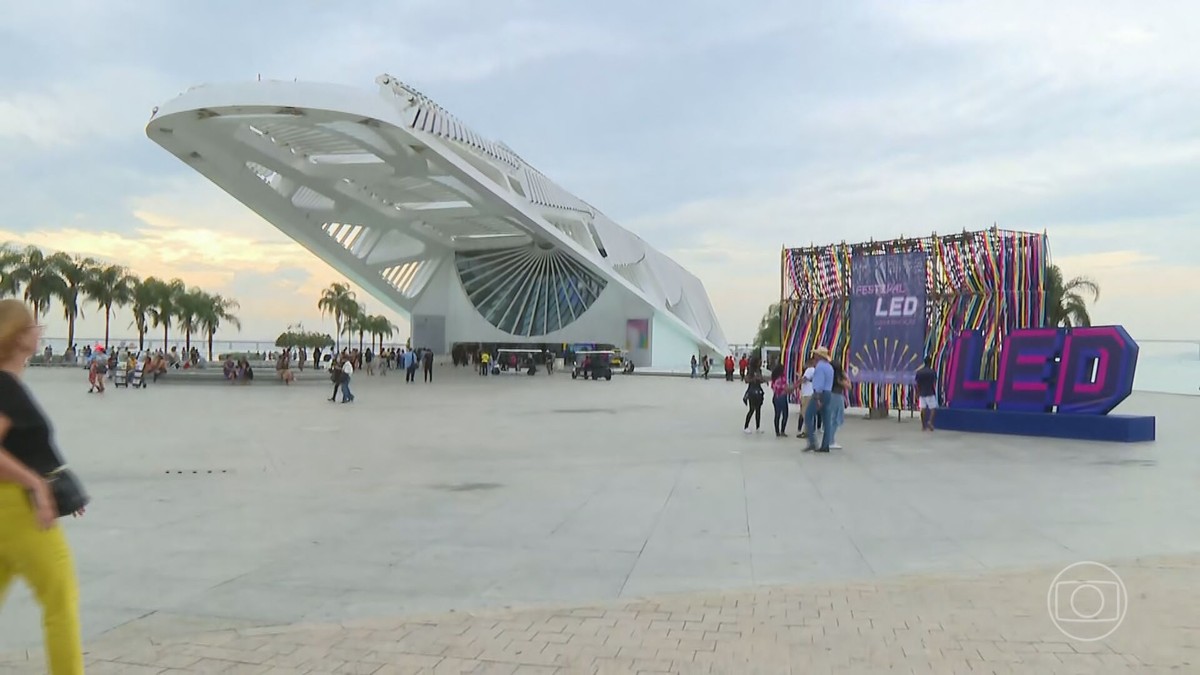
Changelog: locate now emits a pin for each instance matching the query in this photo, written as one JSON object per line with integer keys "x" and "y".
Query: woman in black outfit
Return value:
{"x": 754, "y": 397}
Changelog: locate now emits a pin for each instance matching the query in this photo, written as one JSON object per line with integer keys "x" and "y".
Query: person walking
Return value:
{"x": 729, "y": 367}
{"x": 753, "y": 398}
{"x": 693, "y": 366}
{"x": 97, "y": 370}
{"x": 32, "y": 545}
{"x": 410, "y": 366}
{"x": 780, "y": 390}
{"x": 927, "y": 394}
{"x": 485, "y": 360}
{"x": 427, "y": 364}
{"x": 806, "y": 393}
{"x": 335, "y": 376}
{"x": 706, "y": 364}
{"x": 837, "y": 405}
{"x": 347, "y": 372}
{"x": 818, "y": 405}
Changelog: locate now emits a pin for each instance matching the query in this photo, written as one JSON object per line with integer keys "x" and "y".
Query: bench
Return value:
{"x": 56, "y": 361}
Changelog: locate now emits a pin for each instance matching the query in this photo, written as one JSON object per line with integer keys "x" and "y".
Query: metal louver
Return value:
{"x": 528, "y": 290}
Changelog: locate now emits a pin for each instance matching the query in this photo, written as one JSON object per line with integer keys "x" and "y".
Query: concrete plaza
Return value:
{"x": 233, "y": 526}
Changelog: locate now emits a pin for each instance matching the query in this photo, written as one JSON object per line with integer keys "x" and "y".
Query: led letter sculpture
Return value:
{"x": 1052, "y": 382}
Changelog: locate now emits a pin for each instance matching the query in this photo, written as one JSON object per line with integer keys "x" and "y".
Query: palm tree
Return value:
{"x": 381, "y": 327}
{"x": 357, "y": 321}
{"x": 189, "y": 307}
{"x": 10, "y": 262}
{"x": 1065, "y": 305}
{"x": 143, "y": 295}
{"x": 212, "y": 313}
{"x": 339, "y": 301}
{"x": 110, "y": 285}
{"x": 38, "y": 275}
{"x": 75, "y": 273}
{"x": 165, "y": 304}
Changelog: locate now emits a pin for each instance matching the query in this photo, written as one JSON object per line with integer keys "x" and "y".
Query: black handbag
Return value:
{"x": 68, "y": 491}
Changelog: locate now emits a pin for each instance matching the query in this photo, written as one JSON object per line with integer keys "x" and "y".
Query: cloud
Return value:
{"x": 217, "y": 245}
{"x": 493, "y": 42}
{"x": 718, "y": 134}
{"x": 77, "y": 109}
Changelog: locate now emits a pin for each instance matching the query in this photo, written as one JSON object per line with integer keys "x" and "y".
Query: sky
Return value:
{"x": 719, "y": 132}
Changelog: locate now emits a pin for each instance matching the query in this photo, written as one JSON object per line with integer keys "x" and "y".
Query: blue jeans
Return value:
{"x": 837, "y": 417}
{"x": 781, "y": 413}
{"x": 346, "y": 395}
{"x": 818, "y": 406}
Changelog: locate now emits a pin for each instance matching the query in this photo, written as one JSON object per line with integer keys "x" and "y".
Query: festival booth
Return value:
{"x": 969, "y": 301}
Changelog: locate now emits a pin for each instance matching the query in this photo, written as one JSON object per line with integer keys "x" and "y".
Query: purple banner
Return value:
{"x": 887, "y": 317}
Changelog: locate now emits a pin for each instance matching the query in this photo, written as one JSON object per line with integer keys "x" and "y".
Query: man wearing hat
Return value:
{"x": 823, "y": 375}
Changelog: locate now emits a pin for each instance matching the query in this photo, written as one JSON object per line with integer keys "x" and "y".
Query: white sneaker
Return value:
{"x": 746, "y": 430}
{"x": 835, "y": 446}
{"x": 758, "y": 431}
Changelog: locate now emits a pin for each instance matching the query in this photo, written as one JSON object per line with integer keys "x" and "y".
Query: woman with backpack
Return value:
{"x": 753, "y": 398}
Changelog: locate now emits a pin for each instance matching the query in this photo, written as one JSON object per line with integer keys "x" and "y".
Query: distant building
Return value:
{"x": 437, "y": 222}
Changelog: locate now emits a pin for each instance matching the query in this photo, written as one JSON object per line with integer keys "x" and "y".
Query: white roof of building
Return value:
{"x": 339, "y": 157}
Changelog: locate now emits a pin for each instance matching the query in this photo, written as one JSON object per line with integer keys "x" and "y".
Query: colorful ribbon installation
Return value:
{"x": 992, "y": 281}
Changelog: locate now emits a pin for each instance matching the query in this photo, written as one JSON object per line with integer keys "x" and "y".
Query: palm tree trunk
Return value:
{"x": 337, "y": 344}
{"x": 141, "y": 339}
{"x": 71, "y": 332}
{"x": 187, "y": 340}
{"x": 210, "y": 339}
{"x": 360, "y": 341}
{"x": 107, "y": 316}
{"x": 166, "y": 332}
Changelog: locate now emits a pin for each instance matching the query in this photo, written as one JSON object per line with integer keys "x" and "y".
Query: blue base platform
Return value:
{"x": 1121, "y": 428}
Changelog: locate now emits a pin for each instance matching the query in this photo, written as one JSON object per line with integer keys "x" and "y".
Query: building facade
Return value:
{"x": 449, "y": 228}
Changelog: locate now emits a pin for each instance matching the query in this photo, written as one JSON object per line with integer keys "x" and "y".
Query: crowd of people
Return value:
{"x": 823, "y": 388}
{"x": 343, "y": 365}
{"x": 824, "y": 396}
{"x": 125, "y": 365}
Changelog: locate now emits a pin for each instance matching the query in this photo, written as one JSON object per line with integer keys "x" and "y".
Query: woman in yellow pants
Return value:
{"x": 32, "y": 546}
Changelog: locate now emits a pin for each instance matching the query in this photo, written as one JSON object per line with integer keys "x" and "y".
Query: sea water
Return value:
{"x": 1172, "y": 368}
{"x": 1165, "y": 367}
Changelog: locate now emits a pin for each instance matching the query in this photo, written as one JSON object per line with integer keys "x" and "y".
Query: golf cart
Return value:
{"x": 618, "y": 359}
{"x": 593, "y": 365}
{"x": 516, "y": 360}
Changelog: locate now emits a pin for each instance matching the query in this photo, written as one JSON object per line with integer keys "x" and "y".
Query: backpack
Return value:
{"x": 754, "y": 391}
